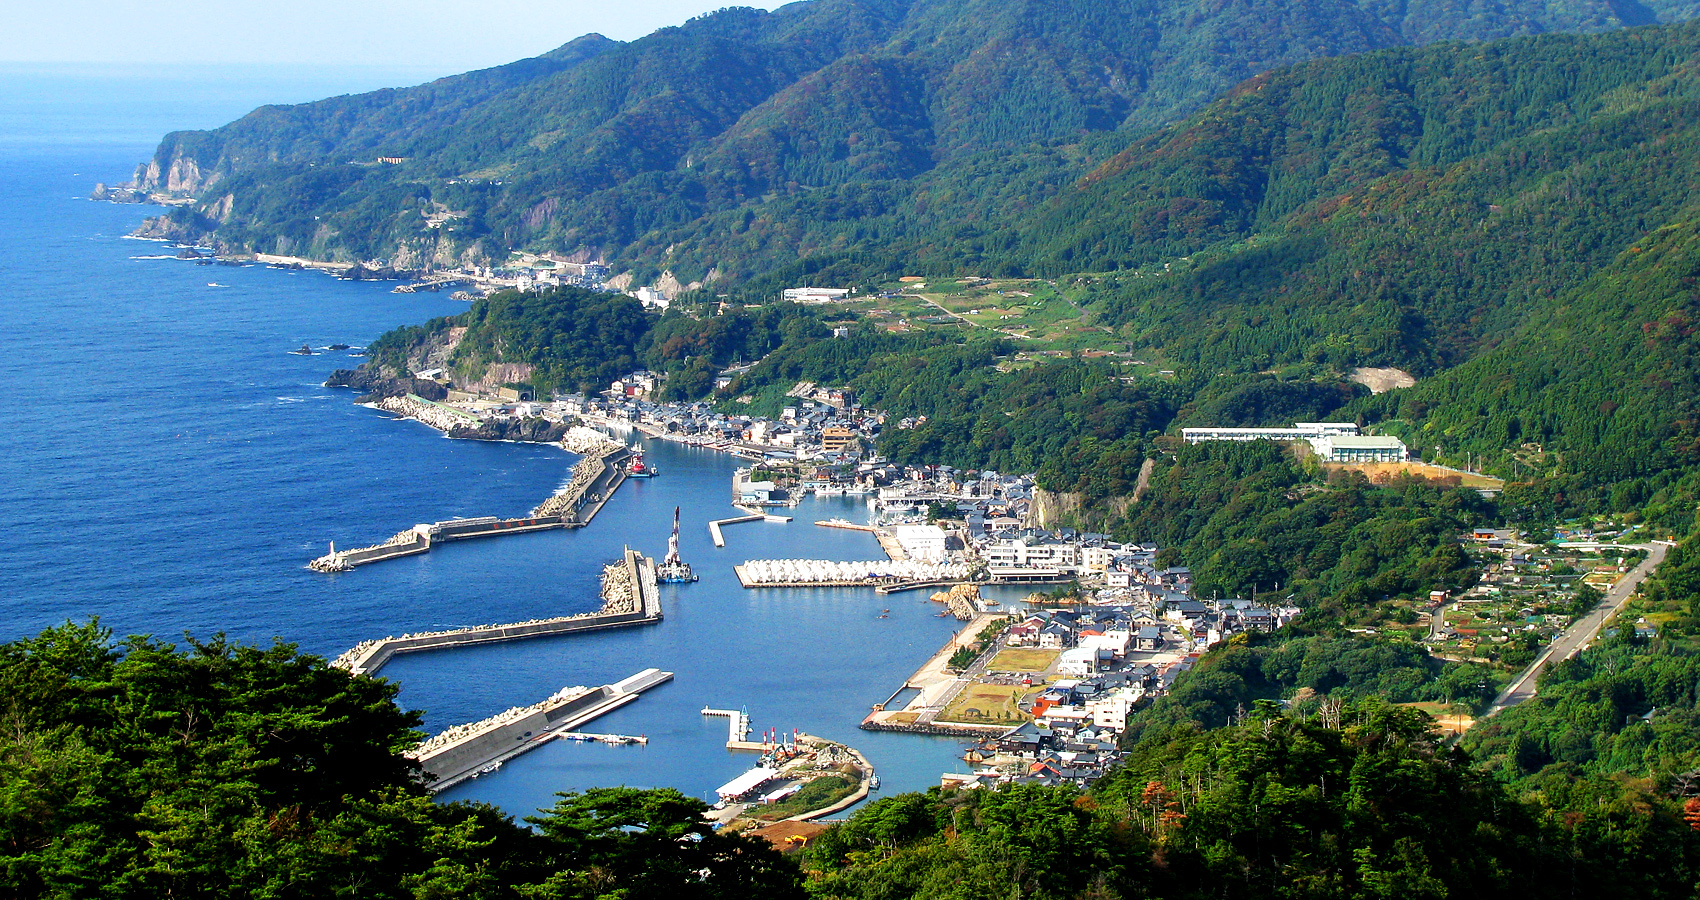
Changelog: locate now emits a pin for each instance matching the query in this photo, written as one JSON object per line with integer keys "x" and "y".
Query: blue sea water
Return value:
{"x": 168, "y": 466}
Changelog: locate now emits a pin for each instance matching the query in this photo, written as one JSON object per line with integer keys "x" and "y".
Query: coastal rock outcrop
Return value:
{"x": 378, "y": 386}
{"x": 527, "y": 429}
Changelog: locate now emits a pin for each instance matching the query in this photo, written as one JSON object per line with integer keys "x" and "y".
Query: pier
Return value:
{"x": 630, "y": 595}
{"x": 594, "y": 480}
{"x": 762, "y": 573}
{"x": 847, "y": 525}
{"x": 737, "y": 730}
{"x": 467, "y": 751}
{"x": 720, "y": 539}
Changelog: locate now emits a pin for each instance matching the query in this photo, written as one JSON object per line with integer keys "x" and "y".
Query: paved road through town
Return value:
{"x": 1581, "y": 632}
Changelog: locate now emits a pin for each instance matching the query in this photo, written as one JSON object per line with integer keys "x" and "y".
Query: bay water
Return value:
{"x": 167, "y": 465}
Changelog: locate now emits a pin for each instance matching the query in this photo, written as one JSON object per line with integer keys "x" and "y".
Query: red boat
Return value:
{"x": 637, "y": 468}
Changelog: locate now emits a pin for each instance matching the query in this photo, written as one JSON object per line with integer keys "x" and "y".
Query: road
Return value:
{"x": 1581, "y": 633}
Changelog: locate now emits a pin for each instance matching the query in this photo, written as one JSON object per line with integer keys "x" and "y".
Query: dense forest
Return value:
{"x": 137, "y": 769}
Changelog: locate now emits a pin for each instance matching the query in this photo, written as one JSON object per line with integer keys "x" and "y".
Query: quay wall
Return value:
{"x": 504, "y": 739}
{"x": 369, "y": 657}
{"x": 456, "y": 763}
{"x": 934, "y": 728}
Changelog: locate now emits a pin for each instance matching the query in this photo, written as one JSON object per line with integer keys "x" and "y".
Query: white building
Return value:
{"x": 1018, "y": 554}
{"x": 1366, "y": 448}
{"x": 1078, "y": 662}
{"x": 1096, "y": 559}
{"x": 923, "y": 542}
{"x": 1301, "y": 431}
{"x": 815, "y": 294}
{"x": 651, "y": 298}
{"x": 1112, "y": 711}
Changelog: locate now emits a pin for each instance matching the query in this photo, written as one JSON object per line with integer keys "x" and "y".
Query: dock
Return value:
{"x": 766, "y": 573}
{"x": 594, "y": 480}
{"x": 847, "y": 525}
{"x": 631, "y": 596}
{"x": 898, "y": 587}
{"x": 737, "y": 730}
{"x": 720, "y": 539}
{"x": 936, "y": 686}
{"x": 467, "y": 751}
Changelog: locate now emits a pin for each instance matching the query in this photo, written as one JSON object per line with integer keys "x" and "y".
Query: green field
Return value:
{"x": 987, "y": 704}
{"x": 1022, "y": 659}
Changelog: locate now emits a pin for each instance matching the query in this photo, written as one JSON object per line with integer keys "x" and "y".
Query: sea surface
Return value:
{"x": 168, "y": 466}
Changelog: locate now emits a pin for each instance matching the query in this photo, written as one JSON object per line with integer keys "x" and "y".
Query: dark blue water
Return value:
{"x": 167, "y": 465}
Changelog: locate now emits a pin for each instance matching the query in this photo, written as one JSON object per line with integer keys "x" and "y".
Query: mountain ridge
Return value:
{"x": 597, "y": 146}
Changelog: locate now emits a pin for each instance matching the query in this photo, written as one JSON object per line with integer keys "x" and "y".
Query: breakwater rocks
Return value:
{"x": 443, "y": 418}
{"x": 591, "y": 471}
{"x": 458, "y": 423}
{"x": 630, "y": 596}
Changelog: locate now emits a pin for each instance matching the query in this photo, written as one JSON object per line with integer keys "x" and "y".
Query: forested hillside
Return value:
{"x": 135, "y": 769}
{"x": 602, "y": 148}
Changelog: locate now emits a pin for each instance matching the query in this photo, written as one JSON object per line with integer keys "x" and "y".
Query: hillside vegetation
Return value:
{"x": 713, "y": 137}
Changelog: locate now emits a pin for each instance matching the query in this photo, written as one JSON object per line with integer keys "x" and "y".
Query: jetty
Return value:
{"x": 476, "y": 748}
{"x": 594, "y": 480}
{"x": 738, "y": 730}
{"x": 720, "y": 539}
{"x": 630, "y": 596}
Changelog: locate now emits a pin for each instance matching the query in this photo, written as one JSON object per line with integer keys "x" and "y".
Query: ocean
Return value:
{"x": 170, "y": 467}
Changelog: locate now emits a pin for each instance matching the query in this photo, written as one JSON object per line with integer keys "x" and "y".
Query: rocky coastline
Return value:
{"x": 396, "y": 394}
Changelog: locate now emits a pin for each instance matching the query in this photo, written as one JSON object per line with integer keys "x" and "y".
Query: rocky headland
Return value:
{"x": 404, "y": 395}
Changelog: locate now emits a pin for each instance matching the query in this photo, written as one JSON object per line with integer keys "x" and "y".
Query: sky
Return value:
{"x": 431, "y": 37}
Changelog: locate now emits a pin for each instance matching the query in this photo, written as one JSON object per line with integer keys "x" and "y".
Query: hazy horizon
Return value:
{"x": 429, "y": 38}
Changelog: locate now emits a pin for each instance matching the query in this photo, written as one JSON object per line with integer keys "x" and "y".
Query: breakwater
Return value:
{"x": 467, "y": 751}
{"x": 630, "y": 596}
{"x": 720, "y": 539}
{"x": 594, "y": 480}
{"x": 438, "y": 416}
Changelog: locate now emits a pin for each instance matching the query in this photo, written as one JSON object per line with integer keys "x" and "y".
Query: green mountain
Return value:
{"x": 739, "y": 120}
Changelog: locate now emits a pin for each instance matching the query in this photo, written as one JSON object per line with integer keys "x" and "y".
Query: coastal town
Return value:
{"x": 1040, "y": 684}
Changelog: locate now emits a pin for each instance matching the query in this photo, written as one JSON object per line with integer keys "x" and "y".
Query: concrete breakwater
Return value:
{"x": 630, "y": 596}
{"x": 720, "y": 539}
{"x": 593, "y": 481}
{"x": 466, "y": 751}
{"x": 827, "y": 573}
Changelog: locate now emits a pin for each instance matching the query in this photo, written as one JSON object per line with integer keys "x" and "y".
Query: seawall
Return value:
{"x": 635, "y": 601}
